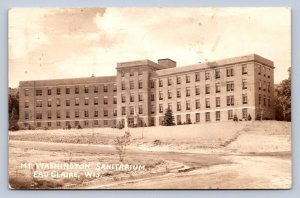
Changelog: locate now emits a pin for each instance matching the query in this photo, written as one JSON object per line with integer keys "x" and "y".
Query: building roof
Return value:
{"x": 69, "y": 81}
{"x": 213, "y": 64}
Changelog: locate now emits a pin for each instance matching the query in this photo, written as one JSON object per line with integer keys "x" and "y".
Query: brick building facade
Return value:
{"x": 142, "y": 90}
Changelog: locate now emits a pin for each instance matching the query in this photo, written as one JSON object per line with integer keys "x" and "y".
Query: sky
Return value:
{"x": 59, "y": 43}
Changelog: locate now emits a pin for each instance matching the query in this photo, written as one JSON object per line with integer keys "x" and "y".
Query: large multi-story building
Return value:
{"x": 142, "y": 90}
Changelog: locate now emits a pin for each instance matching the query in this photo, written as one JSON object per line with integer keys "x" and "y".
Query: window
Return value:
{"x": 169, "y": 81}
{"x": 49, "y": 124}
{"x": 131, "y": 110}
{"x": 207, "y": 103}
{"x": 152, "y": 109}
{"x": 218, "y": 116}
{"x": 259, "y": 98}
{"x": 197, "y": 117}
{"x": 140, "y": 109}
{"x": 123, "y": 110}
{"x": 115, "y": 88}
{"x": 140, "y": 97}
{"x": 178, "y": 80}
{"x": 58, "y": 124}
{"x": 188, "y": 118}
{"x": 86, "y": 113}
{"x": 207, "y": 75}
{"x": 230, "y": 100}
{"x": 122, "y": 74}
{"x": 76, "y": 113}
{"x": 39, "y": 115}
{"x": 115, "y": 100}
{"x": 38, "y": 92}
{"x": 115, "y": 112}
{"x": 244, "y": 69}
{"x": 178, "y": 106}
{"x": 57, "y": 102}
{"x": 86, "y": 101}
{"x": 131, "y": 97}
{"x": 230, "y": 86}
{"x": 95, "y": 114}
{"x": 207, "y": 89}
{"x": 244, "y": 84}
{"x": 26, "y": 104}
{"x": 229, "y": 72}
{"x": 169, "y": 105}
{"x": 49, "y": 91}
{"x": 49, "y": 114}
{"x": 76, "y": 101}
{"x": 26, "y": 92}
{"x": 259, "y": 85}
{"x": 245, "y": 99}
{"x": 152, "y": 97}
{"x": 197, "y": 90}
{"x": 245, "y": 113}
{"x": 57, "y": 91}
{"x": 160, "y": 82}
{"x": 187, "y": 79}
{"x": 67, "y": 102}
{"x": 197, "y": 104}
{"x": 178, "y": 93}
{"x": 76, "y": 90}
{"x": 188, "y": 105}
{"x": 58, "y": 114}
{"x": 188, "y": 92}
{"x": 152, "y": 84}
{"x": 269, "y": 87}
{"x": 268, "y": 72}
{"x": 264, "y": 86}
{"x": 105, "y": 100}
{"x": 96, "y": 122}
{"x": 105, "y": 88}
{"x": 169, "y": 94}
{"x": 160, "y": 108}
{"x": 264, "y": 71}
{"x": 140, "y": 84}
{"x": 105, "y": 122}
{"x": 207, "y": 116}
{"x": 269, "y": 102}
{"x": 49, "y": 103}
{"x": 38, "y": 124}
{"x": 123, "y": 85}
{"x": 131, "y": 85}
{"x": 86, "y": 123}
{"x": 230, "y": 114}
{"x": 218, "y": 88}
{"x": 67, "y": 90}
{"x": 131, "y": 73}
{"x": 39, "y": 103}
{"x": 95, "y": 89}
{"x": 218, "y": 101}
{"x": 161, "y": 96}
{"x": 86, "y": 89}
{"x": 197, "y": 76}
{"x": 140, "y": 72}
{"x": 26, "y": 115}
{"x": 67, "y": 114}
{"x": 217, "y": 74}
{"x": 265, "y": 101}
{"x": 259, "y": 69}
{"x": 178, "y": 117}
{"x": 96, "y": 101}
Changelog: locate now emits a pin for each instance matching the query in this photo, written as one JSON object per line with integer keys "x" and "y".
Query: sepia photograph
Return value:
{"x": 149, "y": 98}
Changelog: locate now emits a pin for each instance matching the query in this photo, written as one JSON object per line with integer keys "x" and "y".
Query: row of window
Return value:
{"x": 58, "y": 114}
{"x": 230, "y": 116}
{"x": 39, "y": 103}
{"x": 58, "y": 90}
{"x": 262, "y": 70}
{"x": 85, "y": 123}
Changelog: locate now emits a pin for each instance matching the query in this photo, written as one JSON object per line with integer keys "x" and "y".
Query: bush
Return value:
{"x": 249, "y": 117}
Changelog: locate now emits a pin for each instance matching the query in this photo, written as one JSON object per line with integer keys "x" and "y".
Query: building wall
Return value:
{"x": 145, "y": 76}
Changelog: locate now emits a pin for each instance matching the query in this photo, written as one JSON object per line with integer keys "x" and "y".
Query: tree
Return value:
{"x": 283, "y": 99}
{"x": 168, "y": 118}
{"x": 121, "y": 143}
{"x": 13, "y": 110}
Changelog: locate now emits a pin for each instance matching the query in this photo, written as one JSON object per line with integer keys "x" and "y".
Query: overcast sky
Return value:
{"x": 67, "y": 43}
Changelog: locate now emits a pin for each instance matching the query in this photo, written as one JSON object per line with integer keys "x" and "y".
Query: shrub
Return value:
{"x": 249, "y": 117}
